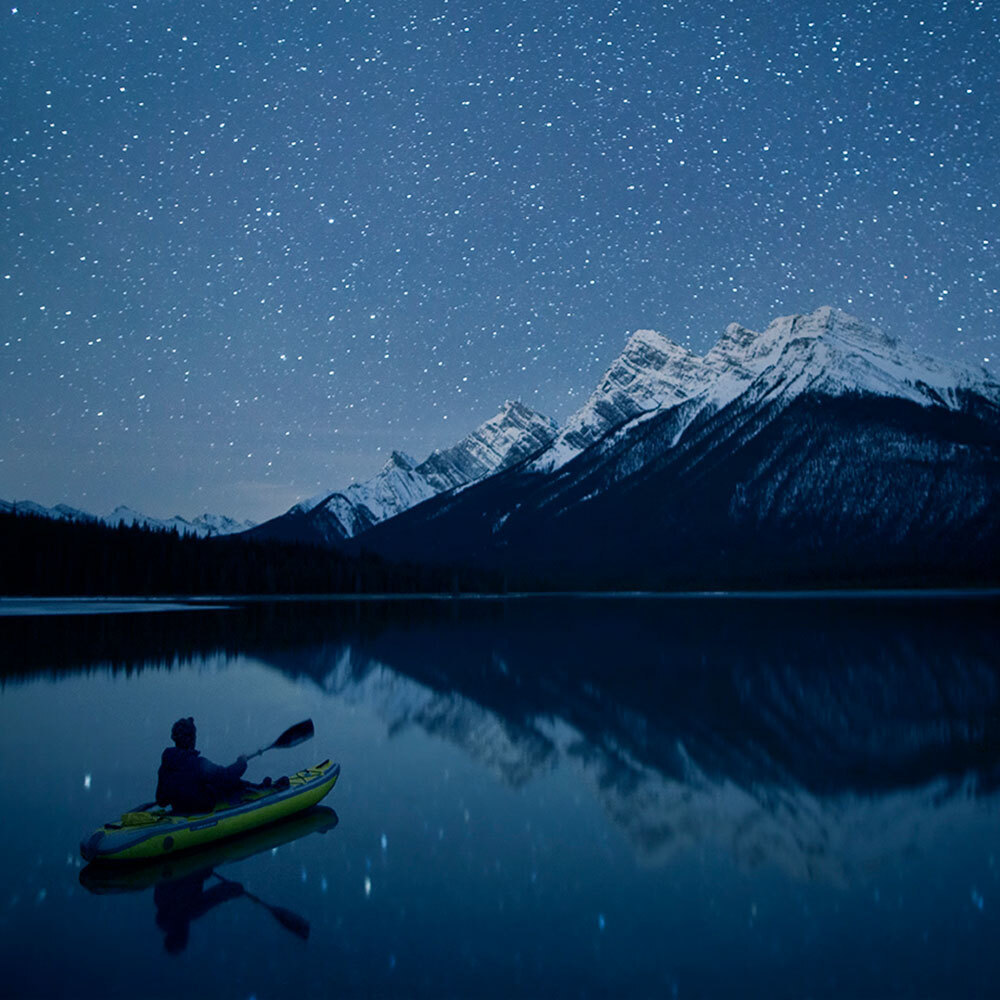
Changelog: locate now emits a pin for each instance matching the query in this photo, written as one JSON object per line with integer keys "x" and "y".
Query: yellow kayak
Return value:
{"x": 140, "y": 836}
{"x": 108, "y": 878}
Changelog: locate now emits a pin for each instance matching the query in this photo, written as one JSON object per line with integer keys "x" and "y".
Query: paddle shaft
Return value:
{"x": 289, "y": 920}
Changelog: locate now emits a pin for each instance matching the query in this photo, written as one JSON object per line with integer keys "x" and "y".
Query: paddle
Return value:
{"x": 289, "y": 920}
{"x": 291, "y": 737}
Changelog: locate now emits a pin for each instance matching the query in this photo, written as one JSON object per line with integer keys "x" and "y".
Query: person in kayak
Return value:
{"x": 189, "y": 782}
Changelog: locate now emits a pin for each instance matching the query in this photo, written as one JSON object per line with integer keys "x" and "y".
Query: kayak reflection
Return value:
{"x": 181, "y": 892}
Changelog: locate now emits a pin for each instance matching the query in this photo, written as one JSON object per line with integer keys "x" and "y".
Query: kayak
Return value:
{"x": 142, "y": 835}
{"x": 110, "y": 878}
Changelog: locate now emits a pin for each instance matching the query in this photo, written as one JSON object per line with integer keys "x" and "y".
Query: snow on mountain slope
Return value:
{"x": 831, "y": 352}
{"x": 59, "y": 512}
{"x": 203, "y": 526}
{"x": 218, "y": 524}
{"x": 394, "y": 487}
{"x": 513, "y": 434}
{"x": 397, "y": 486}
{"x": 815, "y": 452}
{"x": 652, "y": 372}
{"x": 825, "y": 351}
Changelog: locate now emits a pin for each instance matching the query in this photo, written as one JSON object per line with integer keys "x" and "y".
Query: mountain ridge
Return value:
{"x": 204, "y": 526}
{"x": 820, "y": 451}
{"x": 505, "y": 439}
{"x": 760, "y": 472}
{"x": 845, "y": 351}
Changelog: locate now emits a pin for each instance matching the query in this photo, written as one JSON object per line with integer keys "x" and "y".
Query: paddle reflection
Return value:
{"x": 182, "y": 900}
{"x": 181, "y": 889}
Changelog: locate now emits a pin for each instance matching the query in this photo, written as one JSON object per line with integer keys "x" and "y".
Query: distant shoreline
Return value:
{"x": 36, "y": 606}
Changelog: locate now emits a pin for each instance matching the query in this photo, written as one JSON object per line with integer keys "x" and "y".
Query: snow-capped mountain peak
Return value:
{"x": 825, "y": 351}
{"x": 513, "y": 434}
{"x": 400, "y": 460}
{"x": 819, "y": 451}
{"x": 832, "y": 352}
{"x": 653, "y": 368}
{"x": 204, "y": 525}
{"x": 754, "y": 351}
{"x": 219, "y": 524}
{"x": 651, "y": 372}
{"x": 126, "y": 515}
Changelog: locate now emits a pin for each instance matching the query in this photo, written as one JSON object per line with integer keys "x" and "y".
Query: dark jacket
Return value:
{"x": 192, "y": 784}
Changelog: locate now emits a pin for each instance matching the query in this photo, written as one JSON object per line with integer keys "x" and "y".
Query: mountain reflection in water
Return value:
{"x": 806, "y": 733}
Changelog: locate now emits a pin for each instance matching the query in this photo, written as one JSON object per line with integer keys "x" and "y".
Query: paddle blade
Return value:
{"x": 295, "y": 735}
{"x": 292, "y": 921}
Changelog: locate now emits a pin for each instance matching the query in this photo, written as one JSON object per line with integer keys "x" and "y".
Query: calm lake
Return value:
{"x": 547, "y": 797}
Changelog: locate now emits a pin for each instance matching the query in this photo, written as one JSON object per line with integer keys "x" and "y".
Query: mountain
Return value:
{"x": 652, "y": 372}
{"x": 827, "y": 351}
{"x": 819, "y": 452}
{"x": 204, "y": 526}
{"x": 514, "y": 434}
{"x": 61, "y": 512}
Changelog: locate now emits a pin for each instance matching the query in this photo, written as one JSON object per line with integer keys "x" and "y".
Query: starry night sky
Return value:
{"x": 246, "y": 250}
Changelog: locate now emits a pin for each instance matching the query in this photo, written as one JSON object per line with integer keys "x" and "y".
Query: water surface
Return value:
{"x": 571, "y": 798}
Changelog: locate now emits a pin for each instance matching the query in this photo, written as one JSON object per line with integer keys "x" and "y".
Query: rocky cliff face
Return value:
{"x": 650, "y": 374}
{"x": 514, "y": 434}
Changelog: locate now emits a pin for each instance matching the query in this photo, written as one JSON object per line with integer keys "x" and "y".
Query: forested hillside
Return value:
{"x": 40, "y": 556}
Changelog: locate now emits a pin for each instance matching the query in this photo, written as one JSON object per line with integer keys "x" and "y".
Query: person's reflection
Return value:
{"x": 179, "y": 887}
{"x": 185, "y": 899}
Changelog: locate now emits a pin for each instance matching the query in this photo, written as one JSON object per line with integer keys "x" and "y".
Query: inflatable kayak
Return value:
{"x": 144, "y": 835}
{"x": 110, "y": 878}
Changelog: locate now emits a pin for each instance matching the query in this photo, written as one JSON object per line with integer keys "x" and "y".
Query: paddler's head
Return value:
{"x": 183, "y": 733}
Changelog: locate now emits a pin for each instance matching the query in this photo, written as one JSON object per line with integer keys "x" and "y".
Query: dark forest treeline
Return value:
{"x": 41, "y": 556}
{"x": 46, "y": 557}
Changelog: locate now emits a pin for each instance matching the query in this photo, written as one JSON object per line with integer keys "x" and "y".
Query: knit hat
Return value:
{"x": 183, "y": 732}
